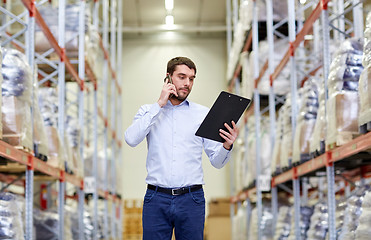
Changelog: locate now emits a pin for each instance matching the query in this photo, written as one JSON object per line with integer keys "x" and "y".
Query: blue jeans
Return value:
{"x": 184, "y": 213}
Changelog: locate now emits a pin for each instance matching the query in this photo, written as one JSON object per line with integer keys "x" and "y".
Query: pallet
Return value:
{"x": 365, "y": 128}
{"x": 12, "y": 167}
{"x": 341, "y": 139}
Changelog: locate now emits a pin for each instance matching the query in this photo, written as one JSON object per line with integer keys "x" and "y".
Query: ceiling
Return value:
{"x": 189, "y": 15}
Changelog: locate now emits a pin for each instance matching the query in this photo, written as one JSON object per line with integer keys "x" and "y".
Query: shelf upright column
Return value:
{"x": 30, "y": 54}
{"x": 81, "y": 72}
{"x": 61, "y": 105}
{"x": 358, "y": 18}
{"x": 119, "y": 99}
{"x": 294, "y": 86}
{"x": 95, "y": 134}
{"x": 229, "y": 27}
{"x": 330, "y": 172}
{"x": 255, "y": 46}
{"x": 272, "y": 104}
{"x": 105, "y": 111}
{"x": 113, "y": 113}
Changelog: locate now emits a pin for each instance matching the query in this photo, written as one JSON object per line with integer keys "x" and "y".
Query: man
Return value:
{"x": 174, "y": 197}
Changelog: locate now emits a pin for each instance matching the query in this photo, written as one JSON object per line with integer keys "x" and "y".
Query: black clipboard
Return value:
{"x": 227, "y": 107}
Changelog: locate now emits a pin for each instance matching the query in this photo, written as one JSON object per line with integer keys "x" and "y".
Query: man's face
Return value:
{"x": 183, "y": 78}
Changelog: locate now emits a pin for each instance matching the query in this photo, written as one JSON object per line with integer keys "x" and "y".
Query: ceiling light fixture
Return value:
{"x": 169, "y": 5}
{"x": 169, "y": 20}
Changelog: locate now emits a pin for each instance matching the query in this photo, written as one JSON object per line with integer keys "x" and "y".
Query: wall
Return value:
{"x": 144, "y": 68}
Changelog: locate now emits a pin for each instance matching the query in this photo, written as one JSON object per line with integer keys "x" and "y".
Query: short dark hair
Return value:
{"x": 180, "y": 61}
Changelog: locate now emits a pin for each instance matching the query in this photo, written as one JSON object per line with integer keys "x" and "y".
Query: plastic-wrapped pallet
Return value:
{"x": 11, "y": 224}
{"x": 286, "y": 145}
{"x": 239, "y": 230}
{"x": 16, "y": 101}
{"x": 305, "y": 121}
{"x": 306, "y": 213}
{"x": 48, "y": 100}
{"x": 281, "y": 85}
{"x": 50, "y": 15}
{"x": 339, "y": 214}
{"x": 318, "y": 222}
{"x": 343, "y": 103}
{"x": 265, "y": 153}
{"x": 94, "y": 53}
{"x": 276, "y": 157}
{"x": 73, "y": 143}
{"x": 102, "y": 168}
{"x": 317, "y": 142}
{"x": 363, "y": 231}
{"x": 283, "y": 226}
{"x": 247, "y": 83}
{"x": 352, "y": 214}
{"x": 265, "y": 225}
{"x": 364, "y": 117}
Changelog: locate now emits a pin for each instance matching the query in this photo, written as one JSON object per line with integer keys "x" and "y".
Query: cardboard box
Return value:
{"x": 219, "y": 207}
{"x": 218, "y": 228}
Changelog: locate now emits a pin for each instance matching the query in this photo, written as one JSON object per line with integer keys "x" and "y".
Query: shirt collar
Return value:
{"x": 185, "y": 103}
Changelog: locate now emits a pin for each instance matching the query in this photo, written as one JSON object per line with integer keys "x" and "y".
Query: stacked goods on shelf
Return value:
{"x": 16, "y": 101}
{"x": 305, "y": 215}
{"x": 265, "y": 153}
{"x": 317, "y": 142}
{"x": 343, "y": 103}
{"x": 133, "y": 219}
{"x": 46, "y": 224}
{"x": 239, "y": 221}
{"x": 363, "y": 230}
{"x": 319, "y": 222}
{"x": 103, "y": 170}
{"x": 340, "y": 210}
{"x": 50, "y": 16}
{"x": 352, "y": 214}
{"x": 240, "y": 163}
{"x": 94, "y": 53}
{"x": 305, "y": 121}
{"x": 73, "y": 143}
{"x": 11, "y": 221}
{"x": 276, "y": 157}
{"x": 265, "y": 224}
{"x": 287, "y": 143}
{"x": 48, "y": 100}
{"x": 283, "y": 225}
{"x": 39, "y": 134}
{"x": 364, "y": 117}
{"x": 247, "y": 89}
{"x": 239, "y": 36}
{"x": 281, "y": 85}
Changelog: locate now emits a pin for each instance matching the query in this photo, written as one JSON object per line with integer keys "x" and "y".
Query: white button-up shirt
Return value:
{"x": 174, "y": 151}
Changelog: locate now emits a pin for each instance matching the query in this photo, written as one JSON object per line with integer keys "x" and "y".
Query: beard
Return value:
{"x": 181, "y": 96}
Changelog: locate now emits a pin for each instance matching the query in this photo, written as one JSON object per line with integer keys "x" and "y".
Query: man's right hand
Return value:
{"x": 167, "y": 90}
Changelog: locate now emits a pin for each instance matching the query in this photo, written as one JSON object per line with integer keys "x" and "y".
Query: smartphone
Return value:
{"x": 168, "y": 77}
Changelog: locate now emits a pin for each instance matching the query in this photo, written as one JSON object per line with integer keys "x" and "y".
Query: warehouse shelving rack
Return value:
{"x": 340, "y": 154}
{"x": 57, "y": 76}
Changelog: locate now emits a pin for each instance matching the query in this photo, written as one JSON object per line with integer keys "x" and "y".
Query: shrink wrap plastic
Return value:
{"x": 352, "y": 214}
{"x": 265, "y": 225}
{"x": 367, "y": 42}
{"x": 11, "y": 221}
{"x": 73, "y": 143}
{"x": 343, "y": 103}
{"x": 49, "y": 110}
{"x": 365, "y": 79}
{"x": 363, "y": 231}
{"x": 276, "y": 157}
{"x": 317, "y": 142}
{"x": 94, "y": 53}
{"x": 239, "y": 221}
{"x": 305, "y": 121}
{"x": 265, "y": 153}
{"x": 102, "y": 169}
{"x": 283, "y": 226}
{"x": 16, "y": 101}
{"x": 50, "y": 15}
{"x": 305, "y": 215}
{"x": 319, "y": 222}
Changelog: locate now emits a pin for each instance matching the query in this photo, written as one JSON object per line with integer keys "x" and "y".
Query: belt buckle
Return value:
{"x": 173, "y": 191}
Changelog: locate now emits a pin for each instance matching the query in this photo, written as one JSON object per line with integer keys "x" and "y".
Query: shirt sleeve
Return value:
{"x": 142, "y": 123}
{"x": 218, "y": 155}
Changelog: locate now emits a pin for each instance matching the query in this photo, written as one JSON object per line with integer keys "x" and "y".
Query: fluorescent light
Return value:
{"x": 169, "y": 20}
{"x": 169, "y": 5}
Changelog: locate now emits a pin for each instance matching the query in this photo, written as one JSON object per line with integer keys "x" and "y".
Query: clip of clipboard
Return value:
{"x": 227, "y": 107}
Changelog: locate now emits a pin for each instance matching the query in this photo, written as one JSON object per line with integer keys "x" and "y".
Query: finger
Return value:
{"x": 227, "y": 134}
{"x": 228, "y": 127}
{"x": 227, "y": 139}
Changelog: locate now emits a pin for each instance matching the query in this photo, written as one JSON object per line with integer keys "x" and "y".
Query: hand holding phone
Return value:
{"x": 168, "y": 90}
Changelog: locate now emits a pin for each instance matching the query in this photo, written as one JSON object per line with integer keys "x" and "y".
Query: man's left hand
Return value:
{"x": 229, "y": 136}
